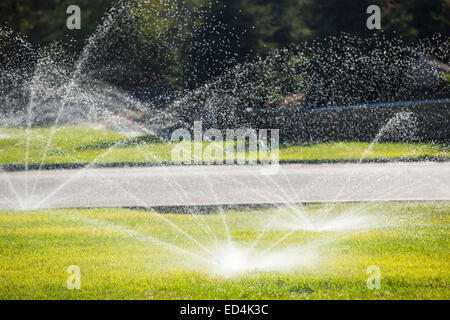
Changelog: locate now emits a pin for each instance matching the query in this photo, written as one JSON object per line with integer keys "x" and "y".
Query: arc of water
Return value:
{"x": 369, "y": 149}
{"x": 204, "y": 225}
{"x": 85, "y": 168}
{"x": 290, "y": 205}
{"x": 143, "y": 237}
{"x": 30, "y": 48}
{"x": 117, "y": 144}
{"x": 101, "y": 31}
{"x": 364, "y": 206}
{"x": 29, "y": 121}
{"x": 160, "y": 216}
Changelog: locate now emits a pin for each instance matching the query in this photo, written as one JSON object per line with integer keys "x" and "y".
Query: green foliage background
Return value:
{"x": 249, "y": 28}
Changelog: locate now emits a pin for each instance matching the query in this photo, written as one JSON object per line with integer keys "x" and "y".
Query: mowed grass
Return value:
{"x": 127, "y": 254}
{"x": 65, "y": 145}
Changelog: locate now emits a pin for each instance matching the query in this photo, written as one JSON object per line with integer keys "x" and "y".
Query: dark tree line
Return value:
{"x": 199, "y": 39}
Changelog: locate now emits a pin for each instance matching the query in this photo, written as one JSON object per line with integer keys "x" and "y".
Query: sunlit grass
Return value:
{"x": 119, "y": 258}
{"x": 85, "y": 145}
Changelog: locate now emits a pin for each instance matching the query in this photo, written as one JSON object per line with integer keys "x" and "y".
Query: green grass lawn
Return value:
{"x": 85, "y": 145}
{"x": 120, "y": 257}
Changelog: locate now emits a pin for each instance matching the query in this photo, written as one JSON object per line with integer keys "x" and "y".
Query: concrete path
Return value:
{"x": 223, "y": 185}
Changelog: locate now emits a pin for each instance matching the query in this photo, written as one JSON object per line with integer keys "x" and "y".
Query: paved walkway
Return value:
{"x": 223, "y": 185}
